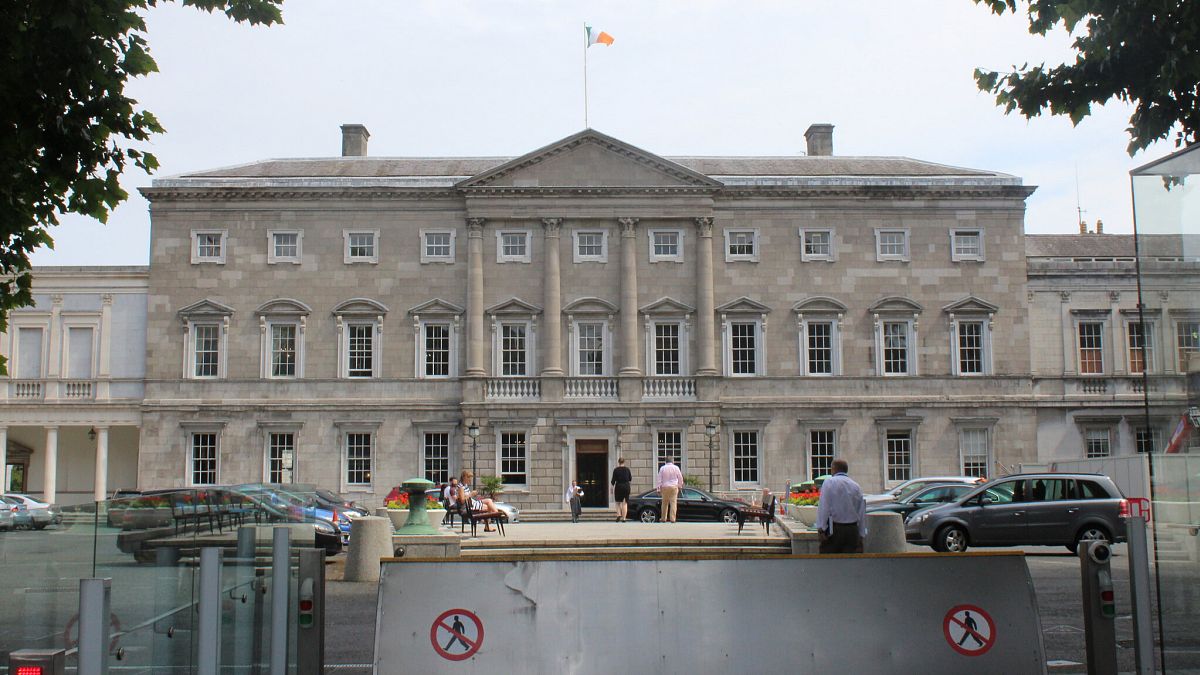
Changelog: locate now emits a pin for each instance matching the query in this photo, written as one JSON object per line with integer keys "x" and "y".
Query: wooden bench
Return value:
{"x": 764, "y": 515}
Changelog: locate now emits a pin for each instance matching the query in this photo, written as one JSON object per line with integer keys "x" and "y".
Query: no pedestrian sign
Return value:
{"x": 969, "y": 630}
{"x": 456, "y": 634}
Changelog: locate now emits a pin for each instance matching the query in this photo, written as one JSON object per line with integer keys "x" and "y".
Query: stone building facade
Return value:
{"x": 346, "y": 321}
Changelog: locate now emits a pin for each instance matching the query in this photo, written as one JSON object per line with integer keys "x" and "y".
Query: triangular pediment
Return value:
{"x": 818, "y": 304}
{"x": 589, "y": 306}
{"x": 589, "y": 159}
{"x": 743, "y": 304}
{"x": 971, "y": 304}
{"x": 360, "y": 307}
{"x": 436, "y": 307}
{"x": 205, "y": 307}
{"x": 513, "y": 306}
{"x": 668, "y": 306}
{"x": 895, "y": 303}
{"x": 283, "y": 306}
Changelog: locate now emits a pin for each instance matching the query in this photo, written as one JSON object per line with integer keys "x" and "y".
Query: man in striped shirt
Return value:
{"x": 668, "y": 482}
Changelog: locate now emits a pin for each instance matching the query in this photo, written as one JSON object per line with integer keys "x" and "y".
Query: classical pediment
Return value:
{"x": 513, "y": 307}
{"x": 667, "y": 306}
{"x": 360, "y": 307}
{"x": 589, "y": 306}
{"x": 283, "y": 307}
{"x": 436, "y": 307}
{"x": 207, "y": 308}
{"x": 589, "y": 159}
{"x": 970, "y": 304}
{"x": 745, "y": 305}
{"x": 895, "y": 303}
{"x": 819, "y": 304}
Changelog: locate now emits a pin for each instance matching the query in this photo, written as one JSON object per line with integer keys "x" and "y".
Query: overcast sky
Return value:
{"x": 701, "y": 77}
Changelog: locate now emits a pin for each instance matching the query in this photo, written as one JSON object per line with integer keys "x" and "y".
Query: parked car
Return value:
{"x": 910, "y": 486}
{"x": 1046, "y": 509}
{"x": 693, "y": 504}
{"x": 43, "y": 514}
{"x": 21, "y": 518}
{"x": 326, "y": 498}
{"x": 930, "y": 495}
{"x": 7, "y": 515}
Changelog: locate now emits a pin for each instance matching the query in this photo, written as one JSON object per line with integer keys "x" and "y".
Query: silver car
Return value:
{"x": 7, "y": 517}
{"x": 1045, "y": 509}
{"x": 41, "y": 514}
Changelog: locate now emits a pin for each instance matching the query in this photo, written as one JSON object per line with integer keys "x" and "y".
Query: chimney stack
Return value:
{"x": 1083, "y": 227}
{"x": 820, "y": 140}
{"x": 1099, "y": 226}
{"x": 354, "y": 140}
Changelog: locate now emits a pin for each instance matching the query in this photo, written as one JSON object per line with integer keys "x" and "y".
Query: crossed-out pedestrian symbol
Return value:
{"x": 969, "y": 630}
{"x": 456, "y": 634}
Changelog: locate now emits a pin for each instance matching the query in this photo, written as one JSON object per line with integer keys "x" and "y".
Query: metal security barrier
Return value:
{"x": 926, "y": 613}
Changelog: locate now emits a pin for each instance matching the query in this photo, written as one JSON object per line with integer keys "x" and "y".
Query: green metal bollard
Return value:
{"x": 418, "y": 521}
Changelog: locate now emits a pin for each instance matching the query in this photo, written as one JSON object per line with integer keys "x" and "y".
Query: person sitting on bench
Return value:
{"x": 467, "y": 496}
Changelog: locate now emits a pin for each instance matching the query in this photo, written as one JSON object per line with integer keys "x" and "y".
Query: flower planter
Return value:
{"x": 803, "y": 514}
{"x": 400, "y": 516}
{"x": 144, "y": 519}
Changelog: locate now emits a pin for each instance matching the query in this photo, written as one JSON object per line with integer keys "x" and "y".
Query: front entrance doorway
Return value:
{"x": 591, "y": 470}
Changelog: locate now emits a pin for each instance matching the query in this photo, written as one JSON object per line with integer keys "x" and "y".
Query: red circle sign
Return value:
{"x": 969, "y": 630}
{"x": 456, "y": 634}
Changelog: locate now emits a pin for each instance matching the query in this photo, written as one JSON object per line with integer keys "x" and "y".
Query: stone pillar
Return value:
{"x": 705, "y": 304}
{"x": 1068, "y": 334}
{"x": 629, "y": 311}
{"x": 1120, "y": 345}
{"x": 552, "y": 301}
{"x": 101, "y": 482}
{"x": 475, "y": 333}
{"x": 50, "y": 472}
{"x": 4, "y": 459}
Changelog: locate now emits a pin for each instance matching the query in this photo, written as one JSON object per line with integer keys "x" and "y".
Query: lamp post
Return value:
{"x": 710, "y": 430}
{"x": 473, "y": 432}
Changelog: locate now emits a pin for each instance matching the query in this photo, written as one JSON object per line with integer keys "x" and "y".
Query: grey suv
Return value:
{"x": 1023, "y": 510}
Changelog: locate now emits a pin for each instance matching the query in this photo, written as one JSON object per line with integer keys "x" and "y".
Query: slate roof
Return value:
{"x": 1099, "y": 245}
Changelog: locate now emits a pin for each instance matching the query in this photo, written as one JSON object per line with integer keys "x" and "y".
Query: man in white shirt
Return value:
{"x": 668, "y": 483}
{"x": 841, "y": 512}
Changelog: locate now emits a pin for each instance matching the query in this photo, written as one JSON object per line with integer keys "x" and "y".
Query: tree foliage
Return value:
{"x": 67, "y": 129}
{"x": 1143, "y": 52}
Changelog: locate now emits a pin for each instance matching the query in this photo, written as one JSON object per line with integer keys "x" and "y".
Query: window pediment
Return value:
{"x": 743, "y": 305}
{"x": 283, "y": 307}
{"x": 513, "y": 307}
{"x": 436, "y": 307}
{"x": 819, "y": 304}
{"x": 666, "y": 306}
{"x": 205, "y": 309}
{"x": 590, "y": 305}
{"x": 971, "y": 305}
{"x": 896, "y": 304}
{"x": 360, "y": 307}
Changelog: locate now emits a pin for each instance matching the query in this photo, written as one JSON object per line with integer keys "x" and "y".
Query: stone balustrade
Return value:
{"x": 513, "y": 388}
{"x": 591, "y": 387}
{"x": 673, "y": 388}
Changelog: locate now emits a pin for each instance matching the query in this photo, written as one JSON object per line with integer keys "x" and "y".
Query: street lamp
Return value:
{"x": 473, "y": 432}
{"x": 710, "y": 430}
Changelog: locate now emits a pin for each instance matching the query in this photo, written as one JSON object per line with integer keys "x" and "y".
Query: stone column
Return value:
{"x": 475, "y": 333}
{"x": 1068, "y": 333}
{"x": 4, "y": 459}
{"x": 50, "y": 472}
{"x": 705, "y": 304}
{"x": 552, "y": 301}
{"x": 629, "y": 336}
{"x": 1120, "y": 346}
{"x": 101, "y": 482}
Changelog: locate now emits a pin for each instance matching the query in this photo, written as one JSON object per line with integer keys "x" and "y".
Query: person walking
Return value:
{"x": 574, "y": 492}
{"x": 841, "y": 512}
{"x": 667, "y": 484}
{"x": 621, "y": 478}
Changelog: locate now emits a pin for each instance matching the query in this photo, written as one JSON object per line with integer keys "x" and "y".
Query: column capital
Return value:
{"x": 552, "y": 226}
{"x": 475, "y": 226}
{"x": 627, "y": 226}
{"x": 705, "y": 226}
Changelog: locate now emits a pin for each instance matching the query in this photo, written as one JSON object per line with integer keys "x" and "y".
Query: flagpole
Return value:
{"x": 585, "y": 93}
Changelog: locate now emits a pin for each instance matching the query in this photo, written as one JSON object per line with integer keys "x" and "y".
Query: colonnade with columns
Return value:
{"x": 50, "y": 460}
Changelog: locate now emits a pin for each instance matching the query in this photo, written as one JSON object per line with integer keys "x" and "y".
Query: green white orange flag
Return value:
{"x": 597, "y": 37}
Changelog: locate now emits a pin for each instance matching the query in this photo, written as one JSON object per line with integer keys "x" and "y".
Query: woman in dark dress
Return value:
{"x": 620, "y": 482}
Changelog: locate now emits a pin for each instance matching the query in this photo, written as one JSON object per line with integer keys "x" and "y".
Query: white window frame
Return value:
{"x": 423, "y": 433}
{"x": 955, "y": 256}
{"x": 679, "y": 237}
{"x": 987, "y": 425}
{"x": 274, "y": 259}
{"x": 198, "y": 259}
{"x": 501, "y": 430}
{"x": 914, "y": 464}
{"x": 498, "y": 345}
{"x": 426, "y": 257}
{"x": 269, "y": 430}
{"x": 804, "y": 322}
{"x": 836, "y": 430}
{"x": 345, "y": 432}
{"x": 502, "y": 258}
{"x": 343, "y": 334}
{"x": 760, "y": 468}
{"x": 651, "y": 345}
{"x": 880, "y": 256}
{"x": 190, "y": 432}
{"x": 1110, "y": 437}
{"x": 755, "y": 240}
{"x": 419, "y": 349}
{"x": 578, "y": 257}
{"x": 607, "y": 347}
{"x": 372, "y": 259}
{"x": 76, "y": 322}
{"x": 18, "y": 321}
{"x": 222, "y": 324}
{"x": 985, "y": 345}
{"x": 910, "y": 345}
{"x": 760, "y": 344}
{"x": 1149, "y": 353}
{"x": 655, "y": 430}
{"x": 805, "y": 256}
{"x": 1177, "y": 349}
{"x": 268, "y": 347}
{"x": 1104, "y": 359}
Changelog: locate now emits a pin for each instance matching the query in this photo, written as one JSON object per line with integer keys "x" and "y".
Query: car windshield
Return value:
{"x": 909, "y": 490}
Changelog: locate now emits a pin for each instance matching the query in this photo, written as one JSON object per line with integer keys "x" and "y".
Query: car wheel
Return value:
{"x": 950, "y": 539}
{"x": 1089, "y": 533}
{"x": 729, "y": 516}
{"x": 648, "y": 516}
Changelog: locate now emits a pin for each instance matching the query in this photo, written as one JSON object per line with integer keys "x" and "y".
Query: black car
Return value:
{"x": 930, "y": 495}
{"x": 694, "y": 504}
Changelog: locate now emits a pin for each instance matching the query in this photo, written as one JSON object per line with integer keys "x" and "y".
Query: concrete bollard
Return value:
{"x": 370, "y": 540}
{"x": 885, "y": 533}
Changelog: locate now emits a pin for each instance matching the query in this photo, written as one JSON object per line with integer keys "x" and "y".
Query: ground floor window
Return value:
{"x": 1097, "y": 443}
{"x": 898, "y": 447}
{"x": 514, "y": 458}
{"x": 435, "y": 457}
{"x": 281, "y": 453}
{"x": 204, "y": 458}
{"x": 668, "y": 445}
{"x": 973, "y": 452}
{"x": 822, "y": 445}
{"x": 745, "y": 457}
{"x": 359, "y": 447}
{"x": 1145, "y": 440}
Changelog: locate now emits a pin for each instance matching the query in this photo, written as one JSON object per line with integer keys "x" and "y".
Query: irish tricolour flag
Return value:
{"x": 598, "y": 37}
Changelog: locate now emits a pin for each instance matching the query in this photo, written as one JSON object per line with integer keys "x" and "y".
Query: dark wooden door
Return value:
{"x": 591, "y": 467}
